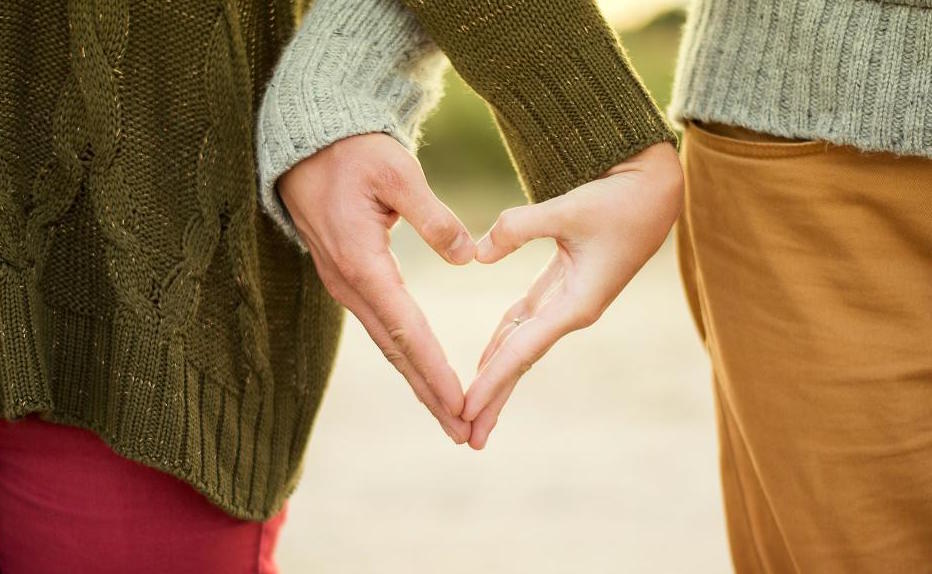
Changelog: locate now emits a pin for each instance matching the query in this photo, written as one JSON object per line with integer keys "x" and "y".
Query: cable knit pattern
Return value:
{"x": 142, "y": 294}
{"x": 134, "y": 270}
{"x": 11, "y": 227}
{"x": 851, "y": 72}
{"x": 353, "y": 68}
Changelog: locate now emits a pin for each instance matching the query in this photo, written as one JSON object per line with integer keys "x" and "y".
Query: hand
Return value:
{"x": 605, "y": 231}
{"x": 344, "y": 200}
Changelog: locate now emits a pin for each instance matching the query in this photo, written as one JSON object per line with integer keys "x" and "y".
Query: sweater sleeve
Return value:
{"x": 562, "y": 90}
{"x": 354, "y": 67}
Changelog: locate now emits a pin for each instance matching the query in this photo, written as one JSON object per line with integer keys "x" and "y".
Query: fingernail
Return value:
{"x": 484, "y": 248}
{"x": 460, "y": 249}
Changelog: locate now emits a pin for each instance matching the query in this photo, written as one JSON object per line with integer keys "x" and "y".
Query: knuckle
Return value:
{"x": 523, "y": 362}
{"x": 401, "y": 338}
{"x": 440, "y": 228}
{"x": 389, "y": 174}
{"x": 505, "y": 226}
{"x": 349, "y": 272}
{"x": 352, "y": 271}
{"x": 587, "y": 317}
{"x": 394, "y": 357}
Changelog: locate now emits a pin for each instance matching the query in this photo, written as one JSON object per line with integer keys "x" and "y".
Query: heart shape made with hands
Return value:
{"x": 345, "y": 199}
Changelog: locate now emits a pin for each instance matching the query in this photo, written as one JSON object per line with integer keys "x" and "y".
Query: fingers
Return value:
{"x": 373, "y": 291}
{"x": 457, "y": 429}
{"x": 488, "y": 417}
{"x": 516, "y": 352}
{"x": 345, "y": 200}
{"x": 518, "y": 225}
{"x": 412, "y": 197}
{"x": 548, "y": 281}
{"x": 381, "y": 287}
{"x": 516, "y": 311}
{"x": 515, "y": 355}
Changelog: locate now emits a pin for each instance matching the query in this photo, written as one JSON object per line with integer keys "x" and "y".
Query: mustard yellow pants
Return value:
{"x": 808, "y": 268}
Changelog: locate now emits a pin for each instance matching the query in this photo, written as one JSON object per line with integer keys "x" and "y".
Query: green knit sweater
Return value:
{"x": 142, "y": 293}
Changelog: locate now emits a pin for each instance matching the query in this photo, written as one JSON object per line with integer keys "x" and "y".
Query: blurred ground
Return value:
{"x": 604, "y": 460}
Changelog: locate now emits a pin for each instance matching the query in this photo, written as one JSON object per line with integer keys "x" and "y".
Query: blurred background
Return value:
{"x": 604, "y": 459}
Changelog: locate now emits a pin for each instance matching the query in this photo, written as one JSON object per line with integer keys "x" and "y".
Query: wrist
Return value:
{"x": 353, "y": 68}
{"x": 568, "y": 112}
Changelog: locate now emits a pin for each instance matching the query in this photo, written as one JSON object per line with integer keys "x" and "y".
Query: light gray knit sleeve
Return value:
{"x": 354, "y": 67}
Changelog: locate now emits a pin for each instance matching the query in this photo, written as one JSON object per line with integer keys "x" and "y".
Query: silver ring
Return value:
{"x": 517, "y": 321}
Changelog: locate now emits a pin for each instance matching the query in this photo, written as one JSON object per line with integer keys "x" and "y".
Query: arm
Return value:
{"x": 593, "y": 151}
{"x": 562, "y": 90}
{"x": 335, "y": 133}
{"x": 354, "y": 67}
{"x": 605, "y": 231}
{"x": 561, "y": 127}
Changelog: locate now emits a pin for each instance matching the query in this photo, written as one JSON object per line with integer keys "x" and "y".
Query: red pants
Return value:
{"x": 70, "y": 504}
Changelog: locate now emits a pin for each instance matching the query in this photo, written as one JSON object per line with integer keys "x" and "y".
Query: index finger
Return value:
{"x": 455, "y": 427}
{"x": 515, "y": 355}
{"x": 383, "y": 289}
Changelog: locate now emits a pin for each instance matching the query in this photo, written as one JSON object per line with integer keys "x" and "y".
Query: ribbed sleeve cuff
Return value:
{"x": 562, "y": 89}
{"x": 354, "y": 67}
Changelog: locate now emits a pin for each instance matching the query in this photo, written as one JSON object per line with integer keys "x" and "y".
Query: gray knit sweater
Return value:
{"x": 856, "y": 72}
{"x": 354, "y": 67}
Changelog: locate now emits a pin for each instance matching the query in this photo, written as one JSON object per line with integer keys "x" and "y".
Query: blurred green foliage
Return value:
{"x": 463, "y": 154}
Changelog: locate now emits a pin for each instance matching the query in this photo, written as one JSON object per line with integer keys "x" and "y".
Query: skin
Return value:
{"x": 604, "y": 231}
{"x": 345, "y": 199}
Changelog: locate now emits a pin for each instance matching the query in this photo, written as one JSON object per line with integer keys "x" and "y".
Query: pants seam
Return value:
{"x": 738, "y": 481}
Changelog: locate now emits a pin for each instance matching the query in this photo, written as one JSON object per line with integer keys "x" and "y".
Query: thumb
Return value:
{"x": 434, "y": 222}
{"x": 518, "y": 225}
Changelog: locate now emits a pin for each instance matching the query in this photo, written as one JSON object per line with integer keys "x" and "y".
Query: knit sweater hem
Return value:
{"x": 133, "y": 385}
{"x": 849, "y": 72}
{"x": 126, "y": 450}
